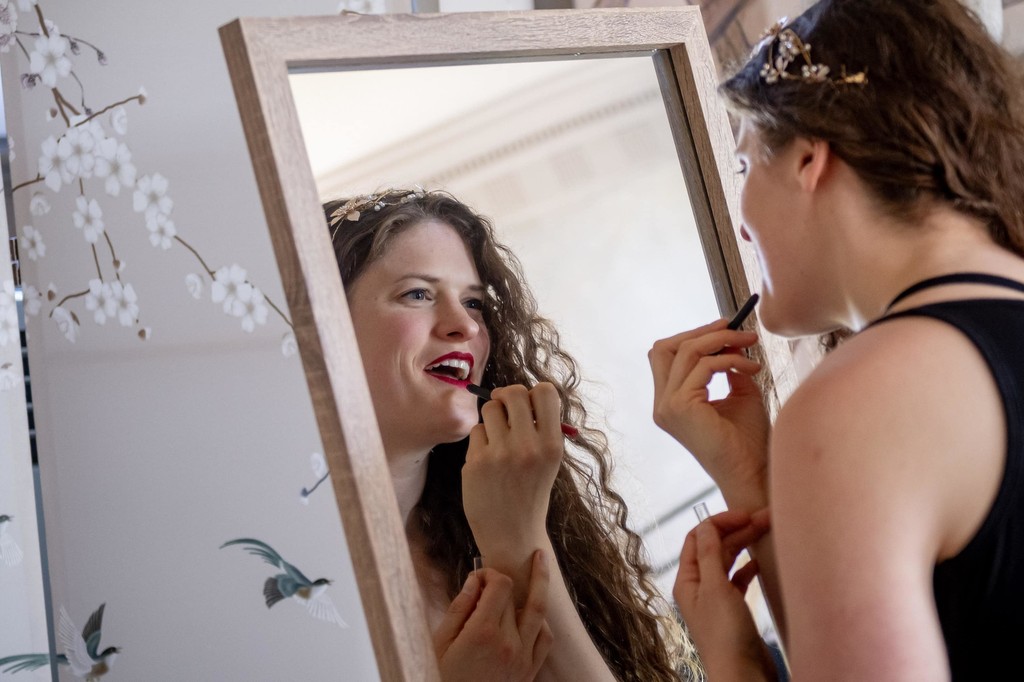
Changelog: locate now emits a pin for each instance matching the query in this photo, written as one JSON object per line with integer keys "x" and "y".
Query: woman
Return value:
{"x": 883, "y": 193}
{"x": 437, "y": 303}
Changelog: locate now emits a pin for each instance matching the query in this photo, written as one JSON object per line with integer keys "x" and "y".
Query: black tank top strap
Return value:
{"x": 957, "y": 278}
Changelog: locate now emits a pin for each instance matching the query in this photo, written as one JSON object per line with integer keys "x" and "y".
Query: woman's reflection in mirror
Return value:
{"x": 565, "y": 592}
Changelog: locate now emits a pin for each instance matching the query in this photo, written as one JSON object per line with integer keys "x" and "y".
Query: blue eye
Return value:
{"x": 417, "y": 294}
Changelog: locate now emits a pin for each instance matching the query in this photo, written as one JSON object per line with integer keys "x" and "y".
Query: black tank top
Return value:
{"x": 979, "y": 593}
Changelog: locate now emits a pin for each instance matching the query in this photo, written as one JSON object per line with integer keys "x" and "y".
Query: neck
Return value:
{"x": 409, "y": 476}
{"x": 882, "y": 256}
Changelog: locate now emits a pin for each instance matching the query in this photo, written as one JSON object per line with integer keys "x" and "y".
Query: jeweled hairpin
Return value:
{"x": 768, "y": 35}
{"x": 354, "y": 208}
{"x": 791, "y": 47}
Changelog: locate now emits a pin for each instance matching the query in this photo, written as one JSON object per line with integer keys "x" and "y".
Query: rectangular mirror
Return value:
{"x": 594, "y": 141}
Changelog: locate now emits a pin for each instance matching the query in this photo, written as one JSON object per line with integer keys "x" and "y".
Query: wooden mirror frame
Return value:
{"x": 261, "y": 52}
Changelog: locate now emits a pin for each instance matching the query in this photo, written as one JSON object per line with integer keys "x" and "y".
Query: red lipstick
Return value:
{"x": 460, "y": 364}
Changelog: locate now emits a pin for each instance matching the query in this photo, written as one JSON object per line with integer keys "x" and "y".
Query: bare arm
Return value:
{"x": 878, "y": 471}
{"x": 574, "y": 655}
{"x": 511, "y": 464}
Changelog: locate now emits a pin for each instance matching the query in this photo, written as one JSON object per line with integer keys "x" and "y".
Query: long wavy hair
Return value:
{"x": 939, "y": 121}
{"x": 941, "y": 117}
{"x": 603, "y": 561}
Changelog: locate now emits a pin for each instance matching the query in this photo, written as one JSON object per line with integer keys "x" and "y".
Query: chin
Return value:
{"x": 768, "y": 316}
{"x": 457, "y": 429}
{"x": 790, "y": 324}
{"x": 451, "y": 441}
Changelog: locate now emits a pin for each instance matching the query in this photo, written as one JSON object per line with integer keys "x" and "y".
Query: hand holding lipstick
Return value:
{"x": 571, "y": 432}
{"x": 511, "y": 464}
{"x": 729, "y": 437}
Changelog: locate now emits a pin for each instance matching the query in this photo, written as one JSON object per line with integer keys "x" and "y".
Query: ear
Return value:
{"x": 813, "y": 160}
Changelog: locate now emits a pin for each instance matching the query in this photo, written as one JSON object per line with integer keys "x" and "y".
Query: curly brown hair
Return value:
{"x": 603, "y": 561}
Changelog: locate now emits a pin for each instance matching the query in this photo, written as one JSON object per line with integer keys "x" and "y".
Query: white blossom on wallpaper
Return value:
{"x": 88, "y": 154}
{"x": 9, "y": 330}
{"x": 10, "y": 377}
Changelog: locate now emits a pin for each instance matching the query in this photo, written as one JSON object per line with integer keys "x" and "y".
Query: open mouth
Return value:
{"x": 454, "y": 370}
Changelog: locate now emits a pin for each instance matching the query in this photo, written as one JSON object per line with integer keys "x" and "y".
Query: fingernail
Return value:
{"x": 471, "y": 584}
{"x": 703, "y": 532}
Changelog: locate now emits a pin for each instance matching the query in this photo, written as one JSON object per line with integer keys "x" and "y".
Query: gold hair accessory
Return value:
{"x": 791, "y": 47}
{"x": 353, "y": 208}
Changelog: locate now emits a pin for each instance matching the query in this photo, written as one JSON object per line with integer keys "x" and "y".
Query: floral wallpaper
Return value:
{"x": 89, "y": 154}
{"x": 171, "y": 407}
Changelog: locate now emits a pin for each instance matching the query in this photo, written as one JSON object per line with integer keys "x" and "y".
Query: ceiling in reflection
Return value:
{"x": 346, "y": 129}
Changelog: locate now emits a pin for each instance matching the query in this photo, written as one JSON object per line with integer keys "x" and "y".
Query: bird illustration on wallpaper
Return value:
{"x": 81, "y": 652}
{"x": 292, "y": 584}
{"x": 10, "y": 552}
{"x": 88, "y": 154}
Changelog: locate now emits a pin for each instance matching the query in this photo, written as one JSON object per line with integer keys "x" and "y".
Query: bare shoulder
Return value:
{"x": 906, "y": 413}
{"x": 882, "y": 463}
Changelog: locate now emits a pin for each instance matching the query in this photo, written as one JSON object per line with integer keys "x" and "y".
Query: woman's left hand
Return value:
{"x": 712, "y": 604}
{"x": 728, "y": 436}
{"x": 483, "y": 634}
{"x": 511, "y": 464}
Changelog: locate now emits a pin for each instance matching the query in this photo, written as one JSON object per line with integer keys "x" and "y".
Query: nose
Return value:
{"x": 744, "y": 233}
{"x": 456, "y": 322}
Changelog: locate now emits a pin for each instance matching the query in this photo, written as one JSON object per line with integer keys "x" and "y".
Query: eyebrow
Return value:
{"x": 431, "y": 279}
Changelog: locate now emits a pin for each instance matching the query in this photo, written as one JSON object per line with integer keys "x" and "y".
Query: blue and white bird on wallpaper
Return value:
{"x": 10, "y": 552}
{"x": 81, "y": 652}
{"x": 292, "y": 584}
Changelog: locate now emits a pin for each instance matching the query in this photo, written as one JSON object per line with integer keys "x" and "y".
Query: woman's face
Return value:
{"x": 772, "y": 209}
{"x": 418, "y": 318}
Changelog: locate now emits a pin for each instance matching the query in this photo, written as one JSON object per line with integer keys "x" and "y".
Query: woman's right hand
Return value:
{"x": 484, "y": 637}
{"x": 729, "y": 437}
{"x": 512, "y": 460}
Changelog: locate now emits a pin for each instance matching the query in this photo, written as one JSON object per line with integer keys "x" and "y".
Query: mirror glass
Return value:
{"x": 573, "y": 161}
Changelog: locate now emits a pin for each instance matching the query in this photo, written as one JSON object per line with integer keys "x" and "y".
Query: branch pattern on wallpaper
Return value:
{"x": 89, "y": 154}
